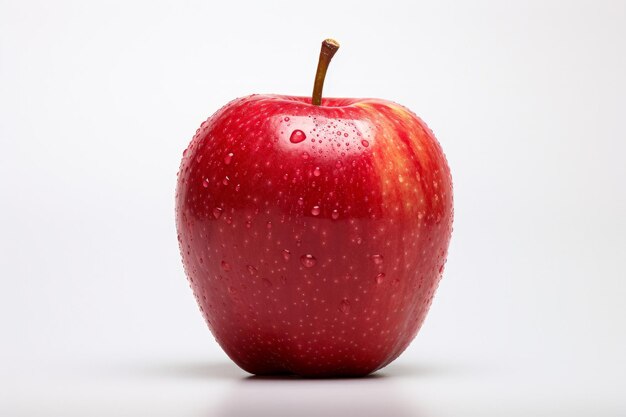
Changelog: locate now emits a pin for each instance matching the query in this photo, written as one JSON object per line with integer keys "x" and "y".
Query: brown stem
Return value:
{"x": 329, "y": 47}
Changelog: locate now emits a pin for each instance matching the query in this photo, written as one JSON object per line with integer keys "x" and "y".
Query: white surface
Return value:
{"x": 98, "y": 100}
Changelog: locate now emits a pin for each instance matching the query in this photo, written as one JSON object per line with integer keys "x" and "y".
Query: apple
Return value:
{"x": 314, "y": 231}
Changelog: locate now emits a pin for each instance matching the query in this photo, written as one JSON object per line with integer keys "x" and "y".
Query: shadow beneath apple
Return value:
{"x": 380, "y": 394}
{"x": 287, "y": 395}
{"x": 230, "y": 371}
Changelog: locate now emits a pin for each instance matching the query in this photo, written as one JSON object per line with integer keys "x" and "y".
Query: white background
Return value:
{"x": 98, "y": 100}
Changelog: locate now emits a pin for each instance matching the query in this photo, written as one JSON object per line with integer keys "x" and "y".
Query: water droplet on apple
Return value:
{"x": 297, "y": 136}
{"x": 228, "y": 158}
{"x": 380, "y": 278}
{"x": 305, "y": 155}
{"x": 365, "y": 143}
{"x": 317, "y": 172}
{"x": 205, "y": 183}
{"x": 300, "y": 201}
{"x": 286, "y": 254}
{"x": 286, "y": 119}
{"x": 269, "y": 225}
{"x": 252, "y": 270}
{"x": 217, "y": 212}
{"x": 344, "y": 306}
{"x": 315, "y": 210}
{"x": 378, "y": 259}
{"x": 225, "y": 180}
{"x": 308, "y": 261}
{"x": 225, "y": 266}
{"x": 335, "y": 214}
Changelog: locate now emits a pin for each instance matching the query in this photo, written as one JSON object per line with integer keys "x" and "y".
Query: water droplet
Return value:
{"x": 248, "y": 224}
{"x": 380, "y": 278}
{"x": 297, "y": 136}
{"x": 305, "y": 155}
{"x": 205, "y": 183}
{"x": 308, "y": 261}
{"x": 317, "y": 172}
{"x": 228, "y": 158}
{"x": 269, "y": 225}
{"x": 378, "y": 259}
{"x": 225, "y": 266}
{"x": 300, "y": 201}
{"x": 252, "y": 270}
{"x": 365, "y": 143}
{"x": 345, "y": 135}
{"x": 217, "y": 212}
{"x": 335, "y": 214}
{"x": 185, "y": 153}
{"x": 225, "y": 180}
{"x": 286, "y": 254}
{"x": 286, "y": 119}
{"x": 344, "y": 306}
{"x": 199, "y": 158}
{"x": 315, "y": 210}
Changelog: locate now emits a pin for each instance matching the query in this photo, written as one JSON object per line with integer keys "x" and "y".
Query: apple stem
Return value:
{"x": 329, "y": 47}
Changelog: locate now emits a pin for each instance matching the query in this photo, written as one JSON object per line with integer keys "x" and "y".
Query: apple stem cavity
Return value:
{"x": 329, "y": 47}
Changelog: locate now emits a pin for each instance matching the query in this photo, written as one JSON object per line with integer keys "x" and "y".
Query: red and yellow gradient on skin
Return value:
{"x": 417, "y": 188}
{"x": 367, "y": 194}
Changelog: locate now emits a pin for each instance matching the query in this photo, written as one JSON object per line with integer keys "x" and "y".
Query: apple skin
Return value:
{"x": 314, "y": 237}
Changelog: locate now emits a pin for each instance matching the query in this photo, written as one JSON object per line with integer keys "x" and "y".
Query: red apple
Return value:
{"x": 314, "y": 236}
